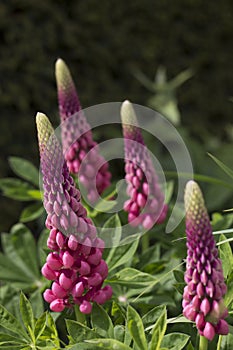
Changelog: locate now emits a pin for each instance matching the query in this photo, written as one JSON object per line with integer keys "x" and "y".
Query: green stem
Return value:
{"x": 219, "y": 342}
{"x": 80, "y": 317}
{"x": 203, "y": 344}
{"x": 145, "y": 242}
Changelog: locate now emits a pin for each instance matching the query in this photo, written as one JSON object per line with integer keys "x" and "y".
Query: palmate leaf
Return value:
{"x": 20, "y": 247}
{"x": 10, "y": 323}
{"x": 11, "y": 272}
{"x": 19, "y": 262}
{"x": 50, "y": 331}
{"x": 10, "y": 340}
{"x": 38, "y": 333}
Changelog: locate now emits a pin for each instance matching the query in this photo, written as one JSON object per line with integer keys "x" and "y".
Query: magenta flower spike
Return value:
{"x": 203, "y": 296}
{"x": 77, "y": 138}
{"x": 75, "y": 263}
{"x": 146, "y": 203}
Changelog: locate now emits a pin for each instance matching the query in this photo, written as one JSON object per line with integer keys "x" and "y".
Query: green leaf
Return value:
{"x": 103, "y": 205}
{"x": 26, "y": 312}
{"x": 120, "y": 255}
{"x": 190, "y": 346}
{"x": 16, "y": 189}
{"x": 178, "y": 319}
{"x": 37, "y": 303}
{"x": 20, "y": 246}
{"x": 151, "y": 255}
{"x": 108, "y": 344}
{"x": 42, "y": 246}
{"x": 40, "y": 325}
{"x": 101, "y": 322}
{"x": 32, "y": 212}
{"x": 221, "y": 222}
{"x": 14, "y": 347}
{"x": 119, "y": 333}
{"x": 199, "y": 177}
{"x": 24, "y": 169}
{"x": 8, "y": 339}
{"x": 153, "y": 315}
{"x": 78, "y": 332}
{"x": 169, "y": 191}
{"x": 50, "y": 334}
{"x": 228, "y": 298}
{"x": 10, "y": 272}
{"x": 225, "y": 253}
{"x": 175, "y": 341}
{"x": 133, "y": 278}
{"x": 159, "y": 331}
{"x": 179, "y": 276}
{"x": 9, "y": 322}
{"x": 82, "y": 346}
{"x": 118, "y": 313}
{"x": 226, "y": 342}
{"x": 36, "y": 194}
{"x": 136, "y": 329}
{"x": 224, "y": 167}
{"x": 112, "y": 223}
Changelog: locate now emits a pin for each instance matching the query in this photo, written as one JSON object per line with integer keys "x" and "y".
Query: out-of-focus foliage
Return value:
{"x": 104, "y": 44}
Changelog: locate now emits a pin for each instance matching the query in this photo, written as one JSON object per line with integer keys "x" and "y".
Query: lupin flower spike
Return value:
{"x": 75, "y": 263}
{"x": 146, "y": 204}
{"x": 77, "y": 138}
{"x": 203, "y": 296}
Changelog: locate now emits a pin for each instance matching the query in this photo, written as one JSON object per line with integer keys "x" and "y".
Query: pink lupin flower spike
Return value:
{"x": 75, "y": 263}
{"x": 203, "y": 296}
{"x": 77, "y": 138}
{"x": 146, "y": 203}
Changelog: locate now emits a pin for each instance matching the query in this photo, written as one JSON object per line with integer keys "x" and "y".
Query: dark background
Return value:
{"x": 103, "y": 43}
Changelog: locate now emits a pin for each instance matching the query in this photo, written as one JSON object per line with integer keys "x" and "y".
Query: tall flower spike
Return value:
{"x": 146, "y": 204}
{"x": 77, "y": 138}
{"x": 203, "y": 295}
{"x": 75, "y": 263}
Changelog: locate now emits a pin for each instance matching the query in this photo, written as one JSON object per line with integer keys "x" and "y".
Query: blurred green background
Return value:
{"x": 105, "y": 44}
